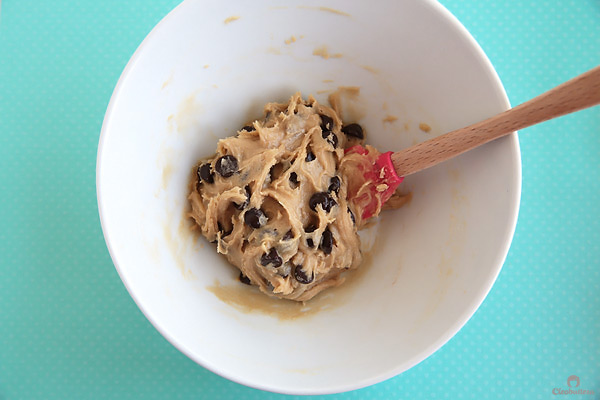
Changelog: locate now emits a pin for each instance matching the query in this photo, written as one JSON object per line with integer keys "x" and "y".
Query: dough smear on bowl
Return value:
{"x": 274, "y": 199}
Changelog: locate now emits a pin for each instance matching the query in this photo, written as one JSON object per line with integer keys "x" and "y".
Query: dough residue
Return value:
{"x": 370, "y": 69}
{"x": 424, "y": 127}
{"x": 273, "y": 50}
{"x": 347, "y": 104}
{"x": 343, "y": 93}
{"x": 231, "y": 19}
{"x": 390, "y": 118}
{"x": 328, "y": 10}
{"x": 323, "y": 52}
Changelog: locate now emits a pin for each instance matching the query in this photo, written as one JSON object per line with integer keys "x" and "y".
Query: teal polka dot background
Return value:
{"x": 70, "y": 330}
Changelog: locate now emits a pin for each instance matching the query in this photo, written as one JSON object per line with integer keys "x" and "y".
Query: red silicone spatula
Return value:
{"x": 389, "y": 169}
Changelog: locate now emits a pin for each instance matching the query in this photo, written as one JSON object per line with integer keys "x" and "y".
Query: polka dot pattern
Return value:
{"x": 68, "y": 328}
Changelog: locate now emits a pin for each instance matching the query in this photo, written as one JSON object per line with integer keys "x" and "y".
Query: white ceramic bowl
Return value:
{"x": 197, "y": 78}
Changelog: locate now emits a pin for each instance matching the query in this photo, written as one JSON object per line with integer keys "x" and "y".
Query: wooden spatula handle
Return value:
{"x": 580, "y": 92}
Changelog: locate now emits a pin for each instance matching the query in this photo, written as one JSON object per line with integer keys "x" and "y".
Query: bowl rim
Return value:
{"x": 450, "y": 332}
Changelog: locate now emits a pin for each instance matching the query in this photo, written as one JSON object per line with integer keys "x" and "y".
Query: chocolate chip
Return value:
{"x": 352, "y": 215}
{"x": 311, "y": 228}
{"x": 222, "y": 230}
{"x": 248, "y": 128}
{"x": 310, "y": 243}
{"x": 272, "y": 257}
{"x": 322, "y": 198}
{"x": 244, "y": 279}
{"x": 288, "y": 235}
{"x": 205, "y": 174}
{"x": 326, "y": 241}
{"x": 310, "y": 156}
{"x": 326, "y": 123}
{"x": 246, "y": 202}
{"x": 353, "y": 130}
{"x": 255, "y": 218}
{"x": 334, "y": 185}
{"x": 301, "y": 276}
{"x": 294, "y": 178}
{"x": 226, "y": 166}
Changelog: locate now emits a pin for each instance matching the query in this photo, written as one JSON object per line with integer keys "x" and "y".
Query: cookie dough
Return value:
{"x": 275, "y": 203}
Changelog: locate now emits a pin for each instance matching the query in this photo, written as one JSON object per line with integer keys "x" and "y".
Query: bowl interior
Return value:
{"x": 199, "y": 76}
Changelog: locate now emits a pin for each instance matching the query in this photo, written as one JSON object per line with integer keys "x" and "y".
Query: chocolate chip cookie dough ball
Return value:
{"x": 273, "y": 200}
